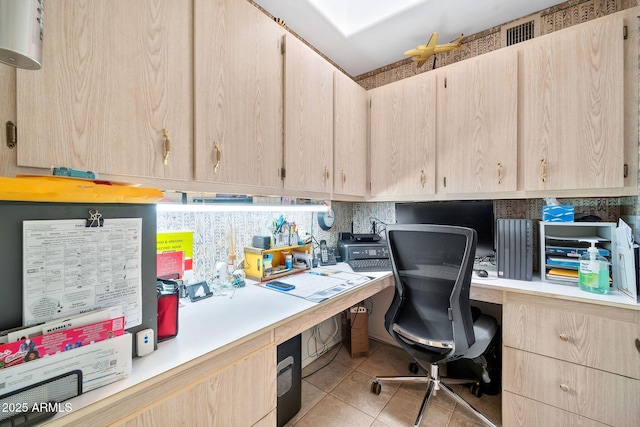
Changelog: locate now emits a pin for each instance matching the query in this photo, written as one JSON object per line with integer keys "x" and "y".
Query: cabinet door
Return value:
{"x": 240, "y": 395}
{"x": 115, "y": 74}
{"x": 403, "y": 137}
{"x": 350, "y": 137}
{"x": 7, "y": 113}
{"x": 308, "y": 119}
{"x": 477, "y": 124}
{"x": 238, "y": 94}
{"x": 572, "y": 108}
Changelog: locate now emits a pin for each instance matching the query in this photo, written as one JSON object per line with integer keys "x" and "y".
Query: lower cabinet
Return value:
{"x": 243, "y": 394}
{"x": 569, "y": 363}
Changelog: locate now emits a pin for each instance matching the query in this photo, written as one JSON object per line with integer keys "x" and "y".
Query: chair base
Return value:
{"x": 435, "y": 384}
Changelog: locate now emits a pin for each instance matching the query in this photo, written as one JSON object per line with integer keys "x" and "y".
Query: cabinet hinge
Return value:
{"x": 625, "y": 32}
{"x": 283, "y": 173}
{"x": 12, "y": 134}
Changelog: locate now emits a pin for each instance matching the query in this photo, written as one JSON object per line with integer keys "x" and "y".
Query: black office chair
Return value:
{"x": 430, "y": 315}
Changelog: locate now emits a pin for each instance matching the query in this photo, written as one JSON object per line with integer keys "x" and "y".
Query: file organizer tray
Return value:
{"x": 37, "y": 402}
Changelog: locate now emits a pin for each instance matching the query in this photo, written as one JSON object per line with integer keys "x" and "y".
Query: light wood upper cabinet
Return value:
{"x": 238, "y": 94}
{"x": 477, "y": 126}
{"x": 350, "y": 137}
{"x": 308, "y": 119}
{"x": 115, "y": 74}
{"x": 403, "y": 137}
{"x": 572, "y": 107}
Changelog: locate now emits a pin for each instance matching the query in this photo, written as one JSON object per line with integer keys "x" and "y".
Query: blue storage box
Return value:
{"x": 557, "y": 213}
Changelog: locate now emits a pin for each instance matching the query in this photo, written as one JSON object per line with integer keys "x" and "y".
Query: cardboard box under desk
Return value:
{"x": 355, "y": 331}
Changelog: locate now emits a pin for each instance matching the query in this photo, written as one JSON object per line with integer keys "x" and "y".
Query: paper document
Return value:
{"x": 319, "y": 284}
{"x": 626, "y": 261}
{"x": 69, "y": 268}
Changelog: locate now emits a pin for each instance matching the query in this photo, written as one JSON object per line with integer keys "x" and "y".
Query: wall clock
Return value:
{"x": 326, "y": 219}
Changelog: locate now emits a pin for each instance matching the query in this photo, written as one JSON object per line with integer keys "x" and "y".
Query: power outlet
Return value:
{"x": 144, "y": 342}
{"x": 358, "y": 309}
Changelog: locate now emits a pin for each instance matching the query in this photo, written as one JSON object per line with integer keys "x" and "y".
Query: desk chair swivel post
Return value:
{"x": 430, "y": 315}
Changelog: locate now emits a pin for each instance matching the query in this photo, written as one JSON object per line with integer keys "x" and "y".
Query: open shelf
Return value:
{"x": 562, "y": 244}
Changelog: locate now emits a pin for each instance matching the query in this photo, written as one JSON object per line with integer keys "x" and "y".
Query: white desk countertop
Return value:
{"x": 215, "y": 322}
{"x": 210, "y": 324}
{"x": 554, "y": 290}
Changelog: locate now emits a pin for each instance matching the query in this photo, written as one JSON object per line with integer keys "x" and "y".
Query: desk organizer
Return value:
{"x": 254, "y": 262}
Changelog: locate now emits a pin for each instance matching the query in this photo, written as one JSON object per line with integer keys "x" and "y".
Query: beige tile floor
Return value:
{"x": 339, "y": 394}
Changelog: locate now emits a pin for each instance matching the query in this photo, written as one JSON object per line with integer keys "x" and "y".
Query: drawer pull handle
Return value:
{"x": 564, "y": 337}
{"x": 638, "y": 345}
{"x": 564, "y": 387}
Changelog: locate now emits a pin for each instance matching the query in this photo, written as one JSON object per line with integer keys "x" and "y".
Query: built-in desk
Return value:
{"x": 221, "y": 368}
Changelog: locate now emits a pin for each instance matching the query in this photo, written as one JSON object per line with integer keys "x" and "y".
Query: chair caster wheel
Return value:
{"x": 376, "y": 387}
{"x": 476, "y": 390}
{"x": 413, "y": 367}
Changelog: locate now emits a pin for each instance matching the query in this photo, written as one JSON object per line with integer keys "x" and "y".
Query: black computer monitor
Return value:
{"x": 476, "y": 214}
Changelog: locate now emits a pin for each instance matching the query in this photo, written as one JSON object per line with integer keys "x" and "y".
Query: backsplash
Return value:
{"x": 210, "y": 244}
{"x": 210, "y": 228}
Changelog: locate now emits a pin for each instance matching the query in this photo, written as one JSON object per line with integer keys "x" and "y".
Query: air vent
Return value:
{"x": 520, "y": 30}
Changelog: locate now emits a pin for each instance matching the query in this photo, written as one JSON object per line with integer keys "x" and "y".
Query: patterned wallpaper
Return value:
{"x": 553, "y": 19}
{"x": 210, "y": 231}
{"x": 210, "y": 228}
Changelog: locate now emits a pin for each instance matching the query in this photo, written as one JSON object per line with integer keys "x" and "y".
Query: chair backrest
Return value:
{"x": 432, "y": 267}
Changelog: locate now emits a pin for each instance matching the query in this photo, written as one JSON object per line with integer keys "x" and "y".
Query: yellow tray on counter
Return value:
{"x": 44, "y": 188}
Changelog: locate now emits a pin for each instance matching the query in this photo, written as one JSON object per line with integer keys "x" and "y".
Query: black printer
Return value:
{"x": 364, "y": 252}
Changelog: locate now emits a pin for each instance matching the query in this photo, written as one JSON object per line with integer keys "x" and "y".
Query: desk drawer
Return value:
{"x": 601, "y": 396}
{"x": 584, "y": 339}
{"x": 520, "y": 411}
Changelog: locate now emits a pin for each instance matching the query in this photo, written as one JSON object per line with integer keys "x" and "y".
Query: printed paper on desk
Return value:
{"x": 32, "y": 349}
{"x": 626, "y": 262}
{"x": 320, "y": 284}
{"x": 101, "y": 363}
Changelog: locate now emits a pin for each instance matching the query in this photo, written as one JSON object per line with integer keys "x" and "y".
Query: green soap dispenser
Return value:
{"x": 593, "y": 271}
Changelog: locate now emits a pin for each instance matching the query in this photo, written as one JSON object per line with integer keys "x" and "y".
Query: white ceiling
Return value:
{"x": 363, "y": 35}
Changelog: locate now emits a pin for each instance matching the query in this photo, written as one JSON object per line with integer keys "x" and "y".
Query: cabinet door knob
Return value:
{"x": 167, "y": 146}
{"x": 499, "y": 173}
{"x": 564, "y": 337}
{"x": 543, "y": 170}
{"x": 218, "y": 157}
{"x": 325, "y": 175}
{"x": 564, "y": 387}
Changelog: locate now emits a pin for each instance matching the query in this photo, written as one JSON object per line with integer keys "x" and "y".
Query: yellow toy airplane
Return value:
{"x": 424, "y": 52}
